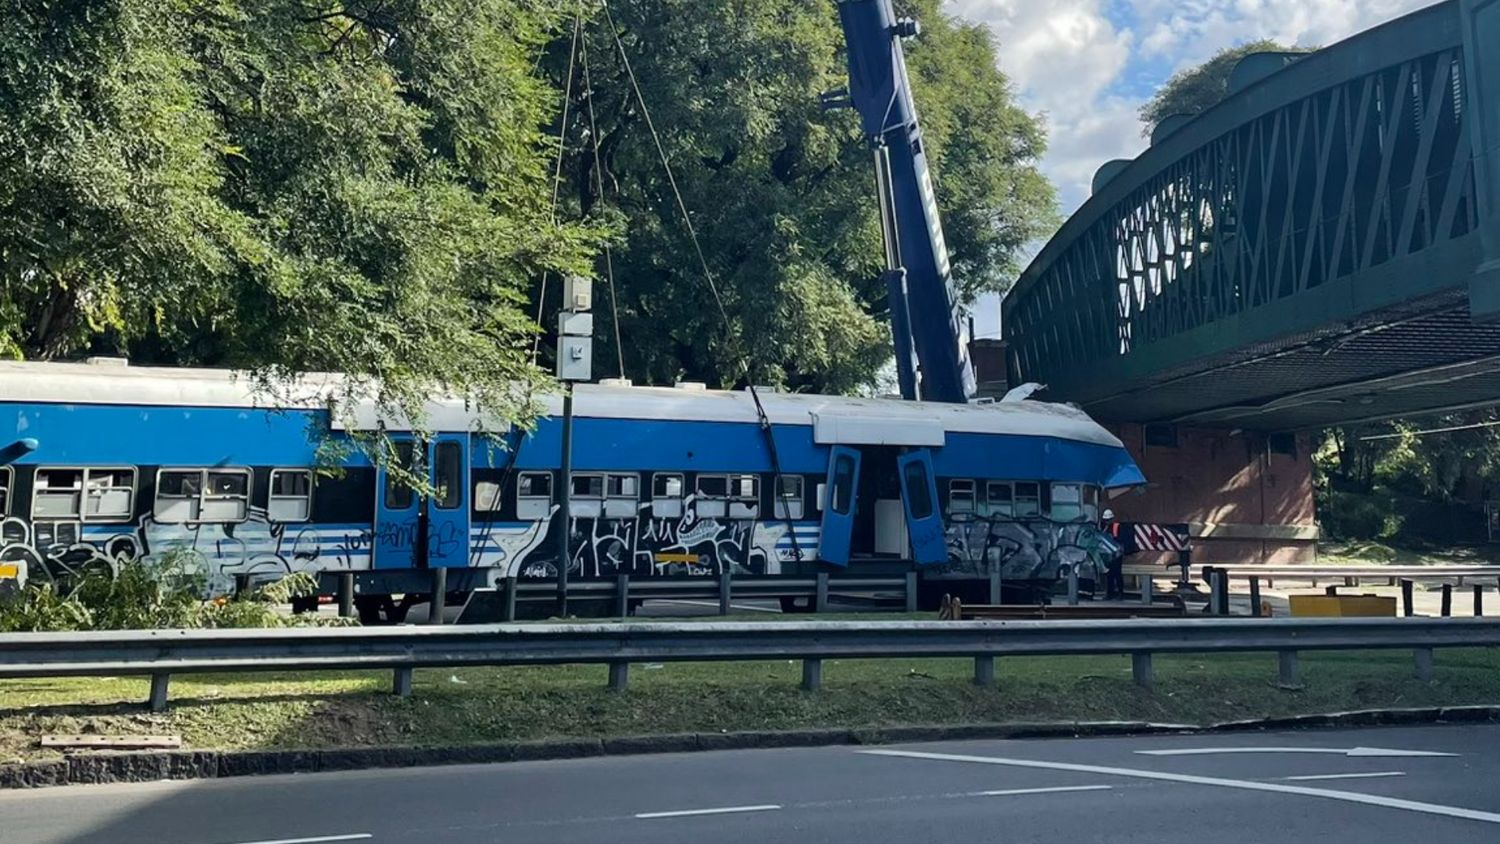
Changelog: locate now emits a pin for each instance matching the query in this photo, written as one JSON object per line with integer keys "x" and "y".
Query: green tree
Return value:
{"x": 282, "y": 186}
{"x": 1196, "y": 89}
{"x": 781, "y": 192}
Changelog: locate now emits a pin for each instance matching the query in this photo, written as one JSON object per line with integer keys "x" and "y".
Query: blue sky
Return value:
{"x": 1087, "y": 65}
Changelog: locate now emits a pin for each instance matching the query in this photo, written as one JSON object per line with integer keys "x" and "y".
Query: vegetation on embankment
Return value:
{"x": 149, "y": 594}
{"x": 475, "y": 706}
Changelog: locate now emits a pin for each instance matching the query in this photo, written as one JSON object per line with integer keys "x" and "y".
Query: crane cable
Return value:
{"x": 609, "y": 263}
{"x": 742, "y": 359}
{"x": 562, "y": 134}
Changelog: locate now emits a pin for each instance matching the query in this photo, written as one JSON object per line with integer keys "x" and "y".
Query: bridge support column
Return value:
{"x": 1481, "y": 32}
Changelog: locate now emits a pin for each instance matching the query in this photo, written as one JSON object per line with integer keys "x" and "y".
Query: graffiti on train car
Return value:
{"x": 647, "y": 544}
{"x": 257, "y": 546}
{"x": 1020, "y": 548}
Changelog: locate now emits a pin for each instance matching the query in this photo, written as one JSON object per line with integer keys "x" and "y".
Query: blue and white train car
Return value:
{"x": 104, "y": 461}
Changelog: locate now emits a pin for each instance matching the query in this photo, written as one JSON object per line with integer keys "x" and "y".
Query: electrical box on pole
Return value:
{"x": 575, "y": 362}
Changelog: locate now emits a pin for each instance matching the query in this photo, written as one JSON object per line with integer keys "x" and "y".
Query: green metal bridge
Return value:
{"x": 1322, "y": 247}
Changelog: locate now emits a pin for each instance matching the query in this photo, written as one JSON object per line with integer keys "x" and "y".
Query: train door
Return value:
{"x": 415, "y": 531}
{"x": 397, "y": 510}
{"x": 838, "y": 505}
{"x": 924, "y": 519}
{"x": 448, "y": 510}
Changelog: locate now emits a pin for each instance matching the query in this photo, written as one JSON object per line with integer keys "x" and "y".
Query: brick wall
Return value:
{"x": 1258, "y": 498}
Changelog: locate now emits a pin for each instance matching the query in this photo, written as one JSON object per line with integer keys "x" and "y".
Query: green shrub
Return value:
{"x": 158, "y": 593}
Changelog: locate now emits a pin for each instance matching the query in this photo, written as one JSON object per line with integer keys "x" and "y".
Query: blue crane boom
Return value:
{"x": 927, "y": 321}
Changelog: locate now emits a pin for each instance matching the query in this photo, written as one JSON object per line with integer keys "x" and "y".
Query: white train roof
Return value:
{"x": 834, "y": 418}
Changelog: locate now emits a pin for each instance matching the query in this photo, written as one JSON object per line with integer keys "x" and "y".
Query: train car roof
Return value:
{"x": 840, "y": 418}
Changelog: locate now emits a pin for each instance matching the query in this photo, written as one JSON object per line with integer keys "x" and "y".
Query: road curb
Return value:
{"x": 150, "y": 766}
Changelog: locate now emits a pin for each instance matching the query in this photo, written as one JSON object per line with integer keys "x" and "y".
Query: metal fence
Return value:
{"x": 1218, "y": 578}
{"x": 162, "y": 653}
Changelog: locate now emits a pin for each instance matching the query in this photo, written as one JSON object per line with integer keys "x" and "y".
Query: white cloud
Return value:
{"x": 1071, "y": 60}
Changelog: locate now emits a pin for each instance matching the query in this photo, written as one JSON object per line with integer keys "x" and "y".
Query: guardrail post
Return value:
{"x": 1406, "y": 589}
{"x": 346, "y": 594}
{"x": 911, "y": 592}
{"x": 439, "y": 595}
{"x": 510, "y": 599}
{"x": 1148, "y": 588}
{"x": 1478, "y": 600}
{"x": 984, "y": 671}
{"x": 1140, "y": 669}
{"x": 820, "y": 597}
{"x": 995, "y": 586}
{"x": 622, "y": 595}
{"x": 1215, "y": 599}
{"x": 724, "y": 588}
{"x": 812, "y": 674}
{"x": 1447, "y": 600}
{"x": 619, "y": 676}
{"x": 1287, "y": 664}
{"x": 401, "y": 684}
{"x": 1255, "y": 598}
{"x": 158, "y": 701}
{"x": 1072, "y": 586}
{"x": 1423, "y": 658}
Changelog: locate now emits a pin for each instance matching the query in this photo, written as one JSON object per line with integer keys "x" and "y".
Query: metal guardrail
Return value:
{"x": 1355, "y": 572}
{"x": 1218, "y": 577}
{"x": 161, "y": 653}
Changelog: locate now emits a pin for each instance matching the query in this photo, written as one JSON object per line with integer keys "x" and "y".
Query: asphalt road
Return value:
{"x": 1260, "y": 787}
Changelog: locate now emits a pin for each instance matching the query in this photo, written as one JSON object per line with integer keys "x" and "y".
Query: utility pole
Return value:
{"x": 575, "y": 357}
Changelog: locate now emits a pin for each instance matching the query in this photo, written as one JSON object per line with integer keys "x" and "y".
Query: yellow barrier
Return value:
{"x": 1342, "y": 606}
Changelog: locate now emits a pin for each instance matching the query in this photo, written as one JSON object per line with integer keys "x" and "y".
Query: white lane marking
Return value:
{"x": 1362, "y": 776}
{"x": 322, "y": 839}
{"x": 715, "y": 605}
{"x": 1248, "y": 785}
{"x": 725, "y": 810}
{"x": 1340, "y": 751}
{"x": 1008, "y": 792}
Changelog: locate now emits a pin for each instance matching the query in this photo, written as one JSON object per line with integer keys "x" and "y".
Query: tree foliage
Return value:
{"x": 781, "y": 192}
{"x": 1197, "y": 89}
{"x": 282, "y": 186}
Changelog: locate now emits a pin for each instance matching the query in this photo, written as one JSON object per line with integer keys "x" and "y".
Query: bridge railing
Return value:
{"x": 1356, "y": 163}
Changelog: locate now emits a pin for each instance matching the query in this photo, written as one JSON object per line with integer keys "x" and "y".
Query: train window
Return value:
{"x": 666, "y": 495}
{"x": 1091, "y": 503}
{"x": 789, "y": 501}
{"x": 1028, "y": 498}
{"x": 399, "y": 496}
{"x": 622, "y": 496}
{"x": 487, "y": 496}
{"x": 177, "y": 495}
{"x": 7, "y": 476}
{"x": 58, "y": 494}
{"x": 226, "y": 496}
{"x": 588, "y": 497}
{"x": 744, "y": 496}
{"x": 89, "y": 495}
{"x": 533, "y": 496}
{"x": 290, "y": 499}
{"x": 108, "y": 494}
{"x": 448, "y": 474}
{"x": 1067, "y": 503}
{"x": 713, "y": 496}
{"x": 842, "y": 491}
{"x": 961, "y": 496}
{"x": 919, "y": 491}
{"x": 998, "y": 499}
{"x": 202, "y": 495}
